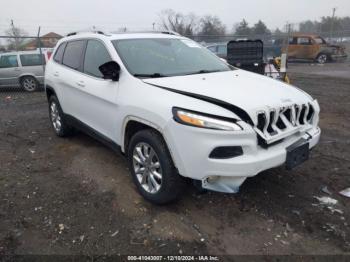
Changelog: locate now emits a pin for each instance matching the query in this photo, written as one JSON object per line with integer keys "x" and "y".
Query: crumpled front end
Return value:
{"x": 273, "y": 124}
{"x": 263, "y": 145}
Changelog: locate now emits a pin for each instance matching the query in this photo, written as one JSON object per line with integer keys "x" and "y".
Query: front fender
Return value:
{"x": 140, "y": 120}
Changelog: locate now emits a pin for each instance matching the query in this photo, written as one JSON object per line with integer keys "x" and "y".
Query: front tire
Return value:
{"x": 59, "y": 124}
{"x": 322, "y": 58}
{"x": 29, "y": 83}
{"x": 152, "y": 168}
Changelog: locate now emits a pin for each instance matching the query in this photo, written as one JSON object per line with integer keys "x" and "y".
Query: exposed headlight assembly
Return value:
{"x": 202, "y": 120}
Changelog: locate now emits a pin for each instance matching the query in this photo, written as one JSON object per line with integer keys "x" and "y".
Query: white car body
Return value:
{"x": 107, "y": 106}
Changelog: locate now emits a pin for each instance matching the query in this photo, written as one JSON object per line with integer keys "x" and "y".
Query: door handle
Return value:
{"x": 81, "y": 83}
{"x": 56, "y": 74}
{"x": 16, "y": 69}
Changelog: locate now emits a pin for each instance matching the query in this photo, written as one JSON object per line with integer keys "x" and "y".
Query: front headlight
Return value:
{"x": 202, "y": 120}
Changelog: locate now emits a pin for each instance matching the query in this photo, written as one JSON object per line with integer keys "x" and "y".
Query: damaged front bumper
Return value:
{"x": 339, "y": 57}
{"x": 191, "y": 148}
{"x": 263, "y": 160}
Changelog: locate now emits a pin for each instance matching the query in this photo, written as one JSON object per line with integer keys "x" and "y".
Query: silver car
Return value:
{"x": 24, "y": 69}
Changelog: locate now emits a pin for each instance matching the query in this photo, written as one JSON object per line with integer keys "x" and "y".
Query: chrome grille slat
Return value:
{"x": 267, "y": 122}
{"x": 306, "y": 113}
{"x": 298, "y": 115}
{"x": 284, "y": 121}
{"x": 274, "y": 123}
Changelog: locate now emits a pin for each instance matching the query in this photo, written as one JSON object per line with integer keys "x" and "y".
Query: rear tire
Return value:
{"x": 59, "y": 124}
{"x": 29, "y": 83}
{"x": 152, "y": 168}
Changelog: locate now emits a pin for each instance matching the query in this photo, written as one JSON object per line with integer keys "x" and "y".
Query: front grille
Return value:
{"x": 271, "y": 125}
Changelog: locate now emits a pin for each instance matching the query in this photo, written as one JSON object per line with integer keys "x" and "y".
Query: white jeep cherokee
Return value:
{"x": 176, "y": 110}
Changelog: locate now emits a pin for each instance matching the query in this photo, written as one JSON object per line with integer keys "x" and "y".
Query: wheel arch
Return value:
{"x": 324, "y": 52}
{"x": 26, "y": 75}
{"x": 134, "y": 124}
{"x": 49, "y": 92}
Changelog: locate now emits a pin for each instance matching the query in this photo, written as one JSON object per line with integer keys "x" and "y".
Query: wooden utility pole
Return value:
{"x": 332, "y": 22}
{"x": 40, "y": 51}
{"x": 14, "y": 33}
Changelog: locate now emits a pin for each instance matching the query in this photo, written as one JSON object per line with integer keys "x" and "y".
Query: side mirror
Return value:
{"x": 110, "y": 70}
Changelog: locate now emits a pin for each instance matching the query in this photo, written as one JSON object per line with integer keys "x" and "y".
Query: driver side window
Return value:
{"x": 96, "y": 55}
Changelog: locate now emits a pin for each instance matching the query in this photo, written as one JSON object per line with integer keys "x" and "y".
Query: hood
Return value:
{"x": 336, "y": 47}
{"x": 248, "y": 91}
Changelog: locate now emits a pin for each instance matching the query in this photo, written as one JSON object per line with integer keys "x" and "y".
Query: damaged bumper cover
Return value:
{"x": 192, "y": 148}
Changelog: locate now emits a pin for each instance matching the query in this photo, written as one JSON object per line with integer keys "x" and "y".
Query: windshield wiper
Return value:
{"x": 203, "y": 71}
{"x": 154, "y": 75}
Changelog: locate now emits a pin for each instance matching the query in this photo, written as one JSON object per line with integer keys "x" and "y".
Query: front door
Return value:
{"x": 304, "y": 48}
{"x": 97, "y": 96}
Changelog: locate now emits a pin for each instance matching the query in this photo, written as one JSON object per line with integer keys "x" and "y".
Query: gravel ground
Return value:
{"x": 75, "y": 196}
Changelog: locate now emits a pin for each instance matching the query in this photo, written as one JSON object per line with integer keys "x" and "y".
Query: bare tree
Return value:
{"x": 15, "y": 33}
{"x": 122, "y": 29}
{"x": 177, "y": 22}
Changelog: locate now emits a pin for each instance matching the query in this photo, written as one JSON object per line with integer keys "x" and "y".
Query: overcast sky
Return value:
{"x": 63, "y": 16}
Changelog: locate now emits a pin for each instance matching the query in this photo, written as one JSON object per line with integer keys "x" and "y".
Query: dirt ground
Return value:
{"x": 75, "y": 196}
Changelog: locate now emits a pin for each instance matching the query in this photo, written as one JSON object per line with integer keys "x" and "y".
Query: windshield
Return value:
{"x": 159, "y": 57}
{"x": 319, "y": 40}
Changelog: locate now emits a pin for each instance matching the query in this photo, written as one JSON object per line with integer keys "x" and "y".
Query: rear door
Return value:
{"x": 9, "y": 70}
{"x": 99, "y": 107}
{"x": 67, "y": 76}
{"x": 33, "y": 64}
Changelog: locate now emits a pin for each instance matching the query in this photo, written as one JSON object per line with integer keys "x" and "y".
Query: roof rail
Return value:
{"x": 80, "y": 32}
{"x": 148, "y": 32}
{"x": 126, "y": 32}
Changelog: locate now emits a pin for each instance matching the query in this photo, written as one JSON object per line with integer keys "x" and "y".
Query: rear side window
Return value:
{"x": 212, "y": 48}
{"x": 96, "y": 55}
{"x": 304, "y": 41}
{"x": 222, "y": 50}
{"x": 59, "y": 53}
{"x": 7, "y": 61}
{"x": 32, "y": 60}
{"x": 73, "y": 54}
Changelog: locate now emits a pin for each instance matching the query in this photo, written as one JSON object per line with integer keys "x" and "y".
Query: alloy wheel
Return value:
{"x": 29, "y": 84}
{"x": 322, "y": 59}
{"x": 55, "y": 117}
{"x": 147, "y": 167}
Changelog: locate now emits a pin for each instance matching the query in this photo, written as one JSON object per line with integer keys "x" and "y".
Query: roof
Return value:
{"x": 22, "y": 52}
{"x": 304, "y": 35}
{"x": 47, "y": 40}
{"x": 52, "y": 34}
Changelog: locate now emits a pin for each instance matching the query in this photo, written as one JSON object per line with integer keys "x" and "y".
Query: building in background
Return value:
{"x": 47, "y": 41}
